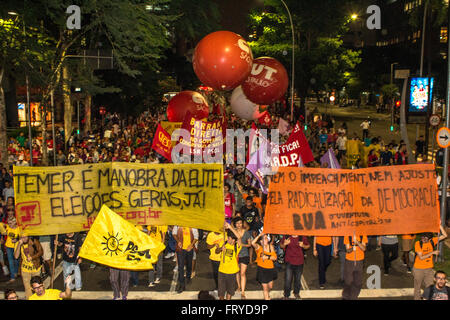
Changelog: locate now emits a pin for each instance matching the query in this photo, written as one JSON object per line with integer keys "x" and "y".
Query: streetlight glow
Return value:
{"x": 12, "y": 13}
{"x": 354, "y": 16}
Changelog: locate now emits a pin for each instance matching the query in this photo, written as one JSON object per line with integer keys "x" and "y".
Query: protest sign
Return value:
{"x": 55, "y": 200}
{"x": 287, "y": 154}
{"x": 162, "y": 143}
{"x": 116, "y": 243}
{"x": 170, "y": 127}
{"x": 371, "y": 201}
{"x": 209, "y": 135}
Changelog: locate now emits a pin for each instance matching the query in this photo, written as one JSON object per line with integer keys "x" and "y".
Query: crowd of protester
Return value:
{"x": 242, "y": 244}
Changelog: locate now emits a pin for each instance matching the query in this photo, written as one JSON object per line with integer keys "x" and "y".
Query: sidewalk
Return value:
{"x": 251, "y": 295}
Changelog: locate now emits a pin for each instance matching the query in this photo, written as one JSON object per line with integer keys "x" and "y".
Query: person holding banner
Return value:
{"x": 265, "y": 257}
{"x": 228, "y": 268}
{"x": 186, "y": 239}
{"x": 120, "y": 282}
{"x": 294, "y": 259}
{"x": 12, "y": 231}
{"x": 389, "y": 246}
{"x": 158, "y": 233}
{"x": 213, "y": 241}
{"x": 407, "y": 246}
{"x": 425, "y": 249}
{"x": 322, "y": 250}
{"x": 30, "y": 251}
{"x": 71, "y": 243}
{"x": 353, "y": 267}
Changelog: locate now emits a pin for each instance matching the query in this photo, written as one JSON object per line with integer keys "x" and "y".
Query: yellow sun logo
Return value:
{"x": 112, "y": 244}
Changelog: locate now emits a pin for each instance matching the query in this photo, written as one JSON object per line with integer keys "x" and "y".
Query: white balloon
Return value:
{"x": 242, "y": 107}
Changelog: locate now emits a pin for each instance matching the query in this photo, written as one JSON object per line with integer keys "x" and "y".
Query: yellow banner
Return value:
{"x": 55, "y": 200}
{"x": 115, "y": 242}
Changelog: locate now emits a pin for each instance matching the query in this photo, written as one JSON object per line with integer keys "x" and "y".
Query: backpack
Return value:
{"x": 414, "y": 255}
{"x": 431, "y": 292}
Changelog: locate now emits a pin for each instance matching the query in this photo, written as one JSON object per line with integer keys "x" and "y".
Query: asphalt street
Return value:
{"x": 97, "y": 279}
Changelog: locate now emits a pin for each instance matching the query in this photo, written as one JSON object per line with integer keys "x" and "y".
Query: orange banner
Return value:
{"x": 339, "y": 202}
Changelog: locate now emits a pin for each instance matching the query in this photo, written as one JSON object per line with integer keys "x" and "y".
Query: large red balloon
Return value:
{"x": 267, "y": 82}
{"x": 185, "y": 101}
{"x": 222, "y": 60}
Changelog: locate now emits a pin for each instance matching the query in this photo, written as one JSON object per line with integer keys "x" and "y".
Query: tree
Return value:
{"x": 136, "y": 35}
{"x": 319, "y": 54}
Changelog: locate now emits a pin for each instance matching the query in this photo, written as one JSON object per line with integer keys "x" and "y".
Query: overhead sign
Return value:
{"x": 402, "y": 74}
{"x": 435, "y": 120}
{"x": 443, "y": 137}
{"x": 420, "y": 95}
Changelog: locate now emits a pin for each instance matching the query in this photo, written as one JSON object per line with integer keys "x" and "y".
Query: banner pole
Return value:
{"x": 54, "y": 262}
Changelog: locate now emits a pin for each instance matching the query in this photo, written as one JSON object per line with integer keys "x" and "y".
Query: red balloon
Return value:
{"x": 185, "y": 101}
{"x": 267, "y": 82}
{"x": 222, "y": 60}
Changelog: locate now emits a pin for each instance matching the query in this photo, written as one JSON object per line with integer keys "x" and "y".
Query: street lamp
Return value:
{"x": 392, "y": 70}
{"x": 292, "y": 73}
{"x": 354, "y": 16}
{"x": 30, "y": 138}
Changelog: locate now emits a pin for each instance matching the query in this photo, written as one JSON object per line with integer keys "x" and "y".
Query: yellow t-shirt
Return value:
{"x": 27, "y": 266}
{"x": 214, "y": 238}
{"x": 186, "y": 238}
{"x": 50, "y": 294}
{"x": 12, "y": 234}
{"x": 156, "y": 233}
{"x": 228, "y": 259}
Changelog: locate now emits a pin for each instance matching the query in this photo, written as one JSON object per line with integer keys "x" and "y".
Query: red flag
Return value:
{"x": 162, "y": 143}
{"x": 297, "y": 143}
{"x": 265, "y": 119}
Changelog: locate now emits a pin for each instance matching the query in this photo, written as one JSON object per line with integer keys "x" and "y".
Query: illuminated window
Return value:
{"x": 444, "y": 35}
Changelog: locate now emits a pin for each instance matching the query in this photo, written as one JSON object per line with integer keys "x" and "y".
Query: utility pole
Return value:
{"x": 445, "y": 162}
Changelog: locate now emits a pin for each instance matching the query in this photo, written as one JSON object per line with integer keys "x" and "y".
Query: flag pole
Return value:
{"x": 54, "y": 262}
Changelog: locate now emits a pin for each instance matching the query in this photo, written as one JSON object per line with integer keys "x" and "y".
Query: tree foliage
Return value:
{"x": 321, "y": 62}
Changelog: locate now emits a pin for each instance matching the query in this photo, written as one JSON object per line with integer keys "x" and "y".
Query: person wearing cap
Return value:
{"x": 30, "y": 250}
{"x": 425, "y": 250}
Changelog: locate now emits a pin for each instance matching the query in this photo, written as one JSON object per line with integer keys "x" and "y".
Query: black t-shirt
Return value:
{"x": 386, "y": 157}
{"x": 420, "y": 145}
{"x": 251, "y": 216}
{"x": 71, "y": 246}
{"x": 435, "y": 293}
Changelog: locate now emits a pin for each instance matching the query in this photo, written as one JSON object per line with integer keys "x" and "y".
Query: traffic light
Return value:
{"x": 398, "y": 103}
{"x": 392, "y": 128}
{"x": 306, "y": 127}
{"x": 78, "y": 131}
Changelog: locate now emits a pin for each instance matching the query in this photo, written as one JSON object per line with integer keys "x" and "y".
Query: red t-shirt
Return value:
{"x": 293, "y": 252}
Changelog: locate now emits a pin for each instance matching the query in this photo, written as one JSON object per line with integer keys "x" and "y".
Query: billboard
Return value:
{"x": 420, "y": 95}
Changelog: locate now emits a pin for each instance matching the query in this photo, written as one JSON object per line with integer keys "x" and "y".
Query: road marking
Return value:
{"x": 251, "y": 295}
{"x": 173, "y": 284}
